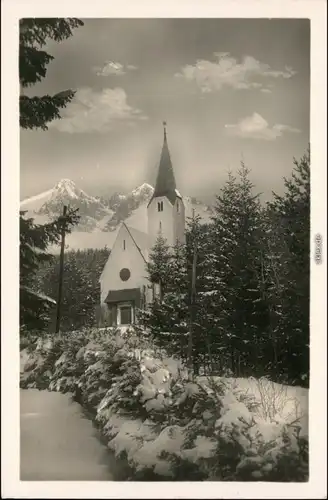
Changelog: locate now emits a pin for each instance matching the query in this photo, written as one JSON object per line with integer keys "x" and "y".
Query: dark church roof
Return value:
{"x": 165, "y": 182}
{"x": 129, "y": 294}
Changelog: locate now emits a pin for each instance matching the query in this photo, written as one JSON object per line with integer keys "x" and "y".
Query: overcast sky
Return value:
{"x": 229, "y": 89}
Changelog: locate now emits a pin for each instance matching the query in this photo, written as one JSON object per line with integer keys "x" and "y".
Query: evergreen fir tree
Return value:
{"x": 159, "y": 266}
{"x": 203, "y": 327}
{"x": 165, "y": 317}
{"x": 34, "y": 33}
{"x": 272, "y": 284}
{"x": 290, "y": 214}
{"x": 241, "y": 311}
{"x": 81, "y": 288}
{"x": 34, "y": 242}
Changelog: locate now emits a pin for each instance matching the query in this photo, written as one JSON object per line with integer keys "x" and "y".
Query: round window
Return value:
{"x": 125, "y": 274}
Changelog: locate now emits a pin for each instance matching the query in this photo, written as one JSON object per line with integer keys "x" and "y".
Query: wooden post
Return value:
{"x": 61, "y": 270}
{"x": 192, "y": 307}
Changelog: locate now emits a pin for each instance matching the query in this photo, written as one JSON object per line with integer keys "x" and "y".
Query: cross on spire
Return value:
{"x": 164, "y": 125}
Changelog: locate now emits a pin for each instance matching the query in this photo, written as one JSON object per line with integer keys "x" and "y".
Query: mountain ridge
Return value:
{"x": 100, "y": 217}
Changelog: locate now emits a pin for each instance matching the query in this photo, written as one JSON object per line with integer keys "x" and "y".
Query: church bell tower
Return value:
{"x": 166, "y": 211}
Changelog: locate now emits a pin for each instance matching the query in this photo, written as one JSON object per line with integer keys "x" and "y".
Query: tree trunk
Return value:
{"x": 61, "y": 271}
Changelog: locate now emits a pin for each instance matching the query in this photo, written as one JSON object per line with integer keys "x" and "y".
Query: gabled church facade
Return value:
{"x": 124, "y": 283}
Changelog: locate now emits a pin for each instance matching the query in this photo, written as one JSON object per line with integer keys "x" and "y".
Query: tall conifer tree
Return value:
{"x": 35, "y": 113}
{"x": 290, "y": 214}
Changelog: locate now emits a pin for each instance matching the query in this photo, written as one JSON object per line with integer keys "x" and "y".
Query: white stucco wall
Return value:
{"x": 179, "y": 221}
{"x": 171, "y": 221}
{"x": 118, "y": 259}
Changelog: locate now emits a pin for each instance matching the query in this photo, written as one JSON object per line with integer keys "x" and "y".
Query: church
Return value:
{"x": 124, "y": 283}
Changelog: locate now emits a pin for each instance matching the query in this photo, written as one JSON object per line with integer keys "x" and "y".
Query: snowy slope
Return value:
{"x": 34, "y": 203}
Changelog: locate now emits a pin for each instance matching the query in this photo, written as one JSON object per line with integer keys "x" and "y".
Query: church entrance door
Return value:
{"x": 125, "y": 313}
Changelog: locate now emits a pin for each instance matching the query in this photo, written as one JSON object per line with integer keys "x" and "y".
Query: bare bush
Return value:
{"x": 275, "y": 403}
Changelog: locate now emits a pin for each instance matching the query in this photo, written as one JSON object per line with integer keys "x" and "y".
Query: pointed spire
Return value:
{"x": 165, "y": 182}
{"x": 164, "y": 125}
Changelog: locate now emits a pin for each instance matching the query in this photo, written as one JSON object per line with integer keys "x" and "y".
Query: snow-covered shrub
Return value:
{"x": 71, "y": 362}
{"x": 137, "y": 412}
{"x": 69, "y": 367}
{"x": 43, "y": 354}
{"x": 27, "y": 338}
{"x": 165, "y": 424}
{"x": 284, "y": 457}
{"x": 226, "y": 440}
{"x": 113, "y": 365}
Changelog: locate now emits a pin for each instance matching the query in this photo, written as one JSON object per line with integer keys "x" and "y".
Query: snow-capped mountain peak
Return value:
{"x": 66, "y": 187}
{"x": 144, "y": 189}
{"x": 49, "y": 205}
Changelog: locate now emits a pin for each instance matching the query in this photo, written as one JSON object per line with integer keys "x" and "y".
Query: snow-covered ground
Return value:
{"x": 58, "y": 443}
{"x": 156, "y": 416}
{"x": 283, "y": 403}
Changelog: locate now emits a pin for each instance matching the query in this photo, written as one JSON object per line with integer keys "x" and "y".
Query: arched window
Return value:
{"x": 160, "y": 206}
{"x": 160, "y": 225}
{"x": 124, "y": 246}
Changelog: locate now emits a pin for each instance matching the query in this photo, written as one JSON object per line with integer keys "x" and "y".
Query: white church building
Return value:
{"x": 124, "y": 283}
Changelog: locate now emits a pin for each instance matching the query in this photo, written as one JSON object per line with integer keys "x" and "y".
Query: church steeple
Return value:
{"x": 165, "y": 182}
{"x": 166, "y": 211}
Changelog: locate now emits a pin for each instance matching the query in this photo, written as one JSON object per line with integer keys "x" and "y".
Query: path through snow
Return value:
{"x": 58, "y": 443}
